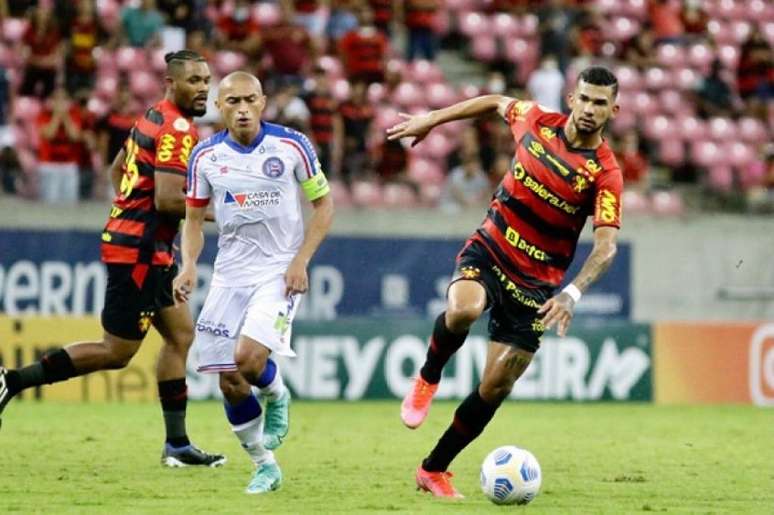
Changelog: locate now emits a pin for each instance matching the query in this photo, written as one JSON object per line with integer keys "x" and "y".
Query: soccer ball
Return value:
{"x": 510, "y": 475}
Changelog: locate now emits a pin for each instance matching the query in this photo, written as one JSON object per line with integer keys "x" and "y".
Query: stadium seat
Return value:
{"x": 470, "y": 91}
{"x": 721, "y": 178}
{"x": 26, "y": 109}
{"x": 158, "y": 64}
{"x": 528, "y": 26}
{"x": 608, "y": 6}
{"x": 637, "y": 9}
{"x": 408, "y": 95}
{"x": 729, "y": 56}
{"x": 376, "y": 92}
{"x": 13, "y": 29}
{"x": 109, "y": 13}
{"x": 130, "y": 59}
{"x": 635, "y": 202}
{"x": 340, "y": 194}
{"x": 656, "y": 78}
{"x": 752, "y": 130}
{"x": 399, "y": 195}
{"x": 484, "y": 47}
{"x": 386, "y": 117}
{"x": 750, "y": 176}
{"x": 425, "y": 72}
{"x": 670, "y": 55}
{"x": 442, "y": 22}
{"x": 267, "y": 13}
{"x": 767, "y": 29}
{"x": 658, "y": 127}
{"x": 435, "y": 146}
{"x": 106, "y": 86}
{"x": 691, "y": 128}
{"x": 440, "y": 95}
{"x": 474, "y": 24}
{"x": 756, "y": 11}
{"x": 460, "y": 5}
{"x": 628, "y": 78}
{"x": 722, "y": 33}
{"x": 672, "y": 102}
{"x": 671, "y": 151}
{"x": 340, "y": 89}
{"x": 366, "y": 194}
{"x": 144, "y": 85}
{"x": 332, "y": 66}
{"x": 738, "y": 154}
{"x": 505, "y": 25}
{"x": 707, "y": 154}
{"x": 721, "y": 129}
{"x": 685, "y": 78}
{"x": 622, "y": 28}
{"x": 98, "y": 107}
{"x": 644, "y": 103}
{"x": 741, "y": 30}
{"x": 425, "y": 171}
{"x": 430, "y": 194}
{"x": 700, "y": 56}
{"x": 668, "y": 203}
{"x": 625, "y": 119}
{"x": 227, "y": 61}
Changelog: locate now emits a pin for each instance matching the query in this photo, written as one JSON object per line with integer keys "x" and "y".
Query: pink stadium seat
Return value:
{"x": 227, "y": 61}
{"x": 158, "y": 64}
{"x": 622, "y": 28}
{"x": 460, "y": 5}
{"x": 474, "y": 24}
{"x": 430, "y": 194}
{"x": 425, "y": 72}
{"x": 436, "y": 145}
{"x": 707, "y": 154}
{"x": 756, "y": 11}
{"x": 385, "y": 118}
{"x": 426, "y": 171}
{"x": 637, "y": 9}
{"x": 98, "y": 107}
{"x": 267, "y": 13}
{"x": 26, "y": 109}
{"x": 340, "y": 89}
{"x": 767, "y": 28}
{"x": 751, "y": 175}
{"x": 505, "y": 25}
{"x": 340, "y": 194}
{"x": 470, "y": 91}
{"x": 691, "y": 128}
{"x": 685, "y": 78}
{"x": 106, "y": 86}
{"x": 741, "y": 30}
{"x": 722, "y": 32}
{"x": 6, "y": 56}
{"x": 376, "y": 92}
{"x": 109, "y": 12}
{"x": 721, "y": 178}
{"x": 399, "y": 195}
{"x": 644, "y": 104}
{"x": 529, "y": 25}
{"x": 671, "y": 151}
{"x": 672, "y": 56}
{"x": 721, "y": 129}
{"x": 484, "y": 47}
{"x": 332, "y": 66}
{"x": 205, "y": 131}
{"x": 442, "y": 22}
{"x": 700, "y": 56}
{"x": 453, "y": 129}
{"x": 144, "y": 84}
{"x": 408, "y": 95}
{"x": 672, "y": 102}
{"x": 106, "y": 61}
{"x": 739, "y": 155}
{"x": 667, "y": 203}
{"x": 625, "y": 119}
{"x": 658, "y": 127}
{"x": 656, "y": 78}
{"x": 130, "y": 59}
{"x": 440, "y": 95}
{"x": 634, "y": 202}
{"x": 13, "y": 29}
{"x": 608, "y": 6}
{"x": 628, "y": 78}
{"x": 729, "y": 56}
{"x": 752, "y": 130}
{"x": 366, "y": 193}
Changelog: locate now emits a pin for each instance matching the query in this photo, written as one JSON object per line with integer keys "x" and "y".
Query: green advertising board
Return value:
{"x": 376, "y": 359}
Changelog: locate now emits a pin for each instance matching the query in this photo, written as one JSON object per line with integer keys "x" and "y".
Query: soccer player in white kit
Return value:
{"x": 252, "y": 174}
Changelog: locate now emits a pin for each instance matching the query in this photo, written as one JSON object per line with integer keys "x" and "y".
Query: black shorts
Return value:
{"x": 513, "y": 317}
{"x": 129, "y": 309}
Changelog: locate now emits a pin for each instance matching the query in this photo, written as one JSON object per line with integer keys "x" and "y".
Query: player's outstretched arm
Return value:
{"x": 191, "y": 243}
{"x": 558, "y": 310}
{"x": 296, "y": 278}
{"x": 420, "y": 125}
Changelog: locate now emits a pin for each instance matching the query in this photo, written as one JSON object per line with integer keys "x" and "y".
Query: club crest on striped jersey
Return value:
{"x": 273, "y": 167}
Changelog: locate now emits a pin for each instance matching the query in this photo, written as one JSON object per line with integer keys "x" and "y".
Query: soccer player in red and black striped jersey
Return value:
{"x": 562, "y": 172}
{"x": 148, "y": 175}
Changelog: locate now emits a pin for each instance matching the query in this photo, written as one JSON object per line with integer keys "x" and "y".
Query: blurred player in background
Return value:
{"x": 251, "y": 173}
{"x": 148, "y": 175}
{"x": 562, "y": 172}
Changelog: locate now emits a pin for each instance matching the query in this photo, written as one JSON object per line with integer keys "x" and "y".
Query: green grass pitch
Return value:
{"x": 357, "y": 457}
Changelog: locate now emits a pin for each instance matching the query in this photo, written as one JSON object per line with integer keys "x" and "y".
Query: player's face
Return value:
{"x": 191, "y": 87}
{"x": 241, "y": 104}
{"x": 592, "y": 106}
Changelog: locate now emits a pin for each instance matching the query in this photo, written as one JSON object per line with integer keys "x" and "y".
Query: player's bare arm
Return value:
{"x": 169, "y": 195}
{"x": 420, "y": 125}
{"x": 559, "y": 309}
{"x": 296, "y": 278}
{"x": 192, "y": 243}
{"x": 116, "y": 170}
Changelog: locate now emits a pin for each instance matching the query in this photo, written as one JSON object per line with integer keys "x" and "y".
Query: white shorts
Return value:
{"x": 261, "y": 312}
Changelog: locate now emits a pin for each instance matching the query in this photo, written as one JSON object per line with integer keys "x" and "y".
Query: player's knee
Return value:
{"x": 460, "y": 317}
{"x": 181, "y": 340}
{"x": 250, "y": 363}
{"x": 495, "y": 392}
{"x": 233, "y": 386}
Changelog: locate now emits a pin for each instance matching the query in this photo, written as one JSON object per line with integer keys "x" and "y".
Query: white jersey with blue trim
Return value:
{"x": 255, "y": 193}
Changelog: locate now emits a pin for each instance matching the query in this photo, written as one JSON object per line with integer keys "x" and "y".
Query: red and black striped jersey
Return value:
{"x": 159, "y": 142}
{"x": 537, "y": 213}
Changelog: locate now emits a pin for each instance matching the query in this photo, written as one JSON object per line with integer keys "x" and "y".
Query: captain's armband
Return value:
{"x": 316, "y": 187}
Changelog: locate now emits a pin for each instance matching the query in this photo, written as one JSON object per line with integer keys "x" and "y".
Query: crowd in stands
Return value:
{"x": 696, "y": 87}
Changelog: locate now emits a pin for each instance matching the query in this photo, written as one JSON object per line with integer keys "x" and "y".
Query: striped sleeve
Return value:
{"x": 307, "y": 164}
{"x": 198, "y": 189}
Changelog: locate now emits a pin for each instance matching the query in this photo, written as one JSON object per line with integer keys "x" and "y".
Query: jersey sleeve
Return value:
{"x": 174, "y": 143}
{"x": 308, "y": 170}
{"x": 607, "y": 199}
{"x": 198, "y": 189}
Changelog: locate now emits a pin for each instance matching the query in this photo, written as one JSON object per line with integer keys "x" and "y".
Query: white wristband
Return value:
{"x": 573, "y": 291}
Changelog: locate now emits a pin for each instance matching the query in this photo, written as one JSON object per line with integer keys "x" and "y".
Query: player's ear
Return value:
{"x": 615, "y": 109}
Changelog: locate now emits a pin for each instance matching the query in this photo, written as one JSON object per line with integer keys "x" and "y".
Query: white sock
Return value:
{"x": 273, "y": 390}
{"x": 250, "y": 435}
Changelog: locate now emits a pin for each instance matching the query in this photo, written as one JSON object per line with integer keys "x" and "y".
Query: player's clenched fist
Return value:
{"x": 296, "y": 279}
{"x": 183, "y": 284}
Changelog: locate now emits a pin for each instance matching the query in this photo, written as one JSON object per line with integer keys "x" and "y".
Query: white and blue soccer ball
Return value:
{"x": 510, "y": 475}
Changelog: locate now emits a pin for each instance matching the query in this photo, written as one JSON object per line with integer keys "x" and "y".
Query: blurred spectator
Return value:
{"x": 363, "y": 50}
{"x": 392, "y": 163}
{"x": 341, "y": 20}
{"x": 11, "y": 173}
{"x": 469, "y": 146}
{"x": 640, "y": 50}
{"x": 760, "y": 197}
{"x": 694, "y": 18}
{"x": 357, "y": 114}
{"x": 632, "y": 160}
{"x": 311, "y": 15}
{"x": 588, "y": 37}
{"x": 418, "y": 18}
{"x": 290, "y": 48}
{"x": 87, "y": 146}
{"x": 85, "y": 34}
{"x": 325, "y": 123}
{"x": 546, "y": 84}
{"x": 383, "y": 14}
{"x": 59, "y": 126}
{"x": 141, "y": 25}
{"x": 557, "y": 19}
{"x": 113, "y": 128}
{"x": 5, "y": 97}
{"x": 467, "y": 186}
{"x": 666, "y": 20}
{"x": 714, "y": 96}
{"x": 499, "y": 169}
{"x": 183, "y": 13}
{"x": 239, "y": 31}
{"x": 285, "y": 107}
{"x": 755, "y": 75}
{"x": 43, "y": 53}
{"x": 196, "y": 40}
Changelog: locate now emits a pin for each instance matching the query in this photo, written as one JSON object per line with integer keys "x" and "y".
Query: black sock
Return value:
{"x": 174, "y": 398}
{"x": 443, "y": 344}
{"x": 53, "y": 367}
{"x": 470, "y": 419}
